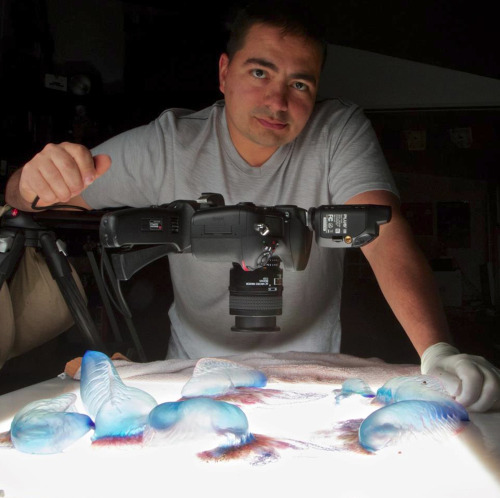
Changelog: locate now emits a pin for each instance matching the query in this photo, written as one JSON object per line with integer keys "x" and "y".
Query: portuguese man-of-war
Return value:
{"x": 204, "y": 422}
{"x": 214, "y": 377}
{"x": 404, "y": 420}
{"x": 419, "y": 387}
{"x": 117, "y": 410}
{"x": 353, "y": 386}
{"x": 47, "y": 426}
{"x": 226, "y": 380}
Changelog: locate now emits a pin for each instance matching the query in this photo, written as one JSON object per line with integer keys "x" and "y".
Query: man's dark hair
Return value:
{"x": 293, "y": 17}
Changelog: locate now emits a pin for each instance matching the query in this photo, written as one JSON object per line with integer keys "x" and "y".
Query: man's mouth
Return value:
{"x": 273, "y": 125}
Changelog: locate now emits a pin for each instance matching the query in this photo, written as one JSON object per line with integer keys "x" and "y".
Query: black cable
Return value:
{"x": 54, "y": 206}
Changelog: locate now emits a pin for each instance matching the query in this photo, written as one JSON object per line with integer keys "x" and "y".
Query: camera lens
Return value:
{"x": 255, "y": 297}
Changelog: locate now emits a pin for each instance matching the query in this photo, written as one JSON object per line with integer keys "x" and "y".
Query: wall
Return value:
{"x": 431, "y": 190}
{"x": 377, "y": 81}
{"x": 89, "y": 31}
{"x": 445, "y": 162}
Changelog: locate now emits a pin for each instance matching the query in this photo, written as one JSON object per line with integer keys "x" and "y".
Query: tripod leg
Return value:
{"x": 125, "y": 310}
{"x": 11, "y": 251}
{"x": 104, "y": 297}
{"x": 80, "y": 313}
{"x": 62, "y": 273}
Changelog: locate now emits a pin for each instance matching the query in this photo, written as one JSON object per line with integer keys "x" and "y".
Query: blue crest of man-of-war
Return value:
{"x": 47, "y": 426}
{"x": 206, "y": 421}
{"x": 353, "y": 386}
{"x": 406, "y": 420}
{"x": 421, "y": 387}
{"x": 118, "y": 410}
{"x": 213, "y": 377}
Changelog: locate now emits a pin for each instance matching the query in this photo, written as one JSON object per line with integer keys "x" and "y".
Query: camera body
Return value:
{"x": 244, "y": 233}
{"x": 251, "y": 235}
{"x": 255, "y": 239}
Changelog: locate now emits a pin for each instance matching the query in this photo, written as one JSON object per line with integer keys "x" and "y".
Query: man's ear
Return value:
{"x": 223, "y": 65}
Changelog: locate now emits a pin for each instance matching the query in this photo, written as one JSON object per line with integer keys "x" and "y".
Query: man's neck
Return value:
{"x": 253, "y": 154}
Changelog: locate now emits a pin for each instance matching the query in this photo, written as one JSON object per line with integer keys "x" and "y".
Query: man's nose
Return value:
{"x": 277, "y": 97}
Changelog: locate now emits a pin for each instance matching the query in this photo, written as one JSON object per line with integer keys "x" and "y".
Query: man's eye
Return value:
{"x": 300, "y": 86}
{"x": 259, "y": 73}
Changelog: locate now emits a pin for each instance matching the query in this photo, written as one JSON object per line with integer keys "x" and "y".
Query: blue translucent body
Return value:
{"x": 353, "y": 386}
{"x": 399, "y": 421}
{"x": 200, "y": 417}
{"x": 420, "y": 387}
{"x": 45, "y": 426}
{"x": 118, "y": 410}
{"x": 213, "y": 377}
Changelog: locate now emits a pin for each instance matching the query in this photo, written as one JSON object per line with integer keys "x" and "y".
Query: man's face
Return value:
{"x": 269, "y": 86}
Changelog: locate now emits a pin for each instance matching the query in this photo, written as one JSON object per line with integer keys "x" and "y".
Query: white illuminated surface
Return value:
{"x": 461, "y": 466}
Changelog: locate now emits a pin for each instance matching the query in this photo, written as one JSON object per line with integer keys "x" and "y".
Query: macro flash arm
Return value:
{"x": 255, "y": 239}
{"x": 344, "y": 226}
{"x": 241, "y": 233}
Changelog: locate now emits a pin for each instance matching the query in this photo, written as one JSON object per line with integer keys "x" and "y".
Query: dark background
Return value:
{"x": 170, "y": 54}
{"x": 171, "y": 51}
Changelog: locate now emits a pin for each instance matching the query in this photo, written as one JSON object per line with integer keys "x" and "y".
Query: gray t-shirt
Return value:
{"x": 183, "y": 153}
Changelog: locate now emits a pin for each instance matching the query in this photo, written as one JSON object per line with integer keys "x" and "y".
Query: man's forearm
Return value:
{"x": 408, "y": 285}
{"x": 13, "y": 195}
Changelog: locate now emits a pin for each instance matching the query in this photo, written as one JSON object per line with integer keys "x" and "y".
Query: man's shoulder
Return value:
{"x": 182, "y": 114}
{"x": 335, "y": 106}
{"x": 333, "y": 114}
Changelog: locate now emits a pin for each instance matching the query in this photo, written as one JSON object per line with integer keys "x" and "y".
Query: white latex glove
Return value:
{"x": 473, "y": 381}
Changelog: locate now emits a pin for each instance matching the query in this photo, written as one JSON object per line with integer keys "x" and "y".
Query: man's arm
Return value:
{"x": 57, "y": 174}
{"x": 404, "y": 276}
{"x": 409, "y": 287}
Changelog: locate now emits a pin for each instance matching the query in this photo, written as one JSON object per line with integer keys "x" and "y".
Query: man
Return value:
{"x": 268, "y": 142}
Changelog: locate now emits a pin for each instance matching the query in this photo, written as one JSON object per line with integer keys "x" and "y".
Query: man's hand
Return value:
{"x": 472, "y": 380}
{"x": 59, "y": 173}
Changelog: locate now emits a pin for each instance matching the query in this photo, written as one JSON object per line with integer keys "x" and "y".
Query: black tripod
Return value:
{"x": 19, "y": 230}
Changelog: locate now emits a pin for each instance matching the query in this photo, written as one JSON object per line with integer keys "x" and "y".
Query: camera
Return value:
{"x": 345, "y": 226}
{"x": 256, "y": 240}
